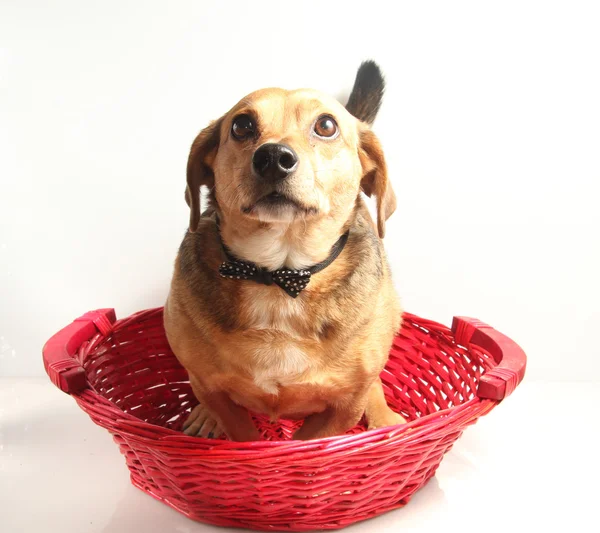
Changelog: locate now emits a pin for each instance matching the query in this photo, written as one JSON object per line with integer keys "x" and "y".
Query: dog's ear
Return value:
{"x": 199, "y": 168}
{"x": 375, "y": 180}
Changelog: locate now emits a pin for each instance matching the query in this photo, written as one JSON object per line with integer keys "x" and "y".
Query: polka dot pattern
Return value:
{"x": 293, "y": 282}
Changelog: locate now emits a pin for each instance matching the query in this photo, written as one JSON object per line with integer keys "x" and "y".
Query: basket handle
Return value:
{"x": 499, "y": 382}
{"x": 62, "y": 368}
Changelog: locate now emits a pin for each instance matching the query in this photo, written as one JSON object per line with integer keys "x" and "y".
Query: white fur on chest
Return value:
{"x": 272, "y": 249}
{"x": 278, "y": 366}
{"x": 281, "y": 363}
{"x": 282, "y": 313}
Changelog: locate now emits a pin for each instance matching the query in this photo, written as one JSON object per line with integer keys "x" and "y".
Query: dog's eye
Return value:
{"x": 243, "y": 127}
{"x": 325, "y": 126}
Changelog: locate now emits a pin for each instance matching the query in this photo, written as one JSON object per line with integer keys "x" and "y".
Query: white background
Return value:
{"x": 491, "y": 126}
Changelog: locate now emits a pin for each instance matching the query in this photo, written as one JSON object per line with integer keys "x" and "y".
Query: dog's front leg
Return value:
{"x": 377, "y": 411}
{"x": 335, "y": 420}
{"x": 217, "y": 413}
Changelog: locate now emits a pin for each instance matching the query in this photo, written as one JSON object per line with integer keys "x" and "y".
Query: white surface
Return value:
{"x": 531, "y": 464}
{"x": 490, "y": 125}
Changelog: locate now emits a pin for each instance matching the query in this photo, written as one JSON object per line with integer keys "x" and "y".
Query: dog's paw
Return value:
{"x": 200, "y": 423}
{"x": 385, "y": 419}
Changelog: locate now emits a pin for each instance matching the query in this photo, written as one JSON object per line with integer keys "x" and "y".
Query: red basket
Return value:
{"x": 124, "y": 375}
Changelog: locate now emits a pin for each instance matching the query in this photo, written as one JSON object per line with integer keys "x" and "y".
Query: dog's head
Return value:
{"x": 279, "y": 156}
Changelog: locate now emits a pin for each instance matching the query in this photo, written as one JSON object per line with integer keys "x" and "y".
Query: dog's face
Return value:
{"x": 284, "y": 155}
{"x": 278, "y": 156}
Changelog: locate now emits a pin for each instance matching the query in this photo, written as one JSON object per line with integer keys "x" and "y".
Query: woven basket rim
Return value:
{"x": 152, "y": 435}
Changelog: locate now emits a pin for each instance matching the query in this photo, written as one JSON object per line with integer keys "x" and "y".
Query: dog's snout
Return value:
{"x": 273, "y": 161}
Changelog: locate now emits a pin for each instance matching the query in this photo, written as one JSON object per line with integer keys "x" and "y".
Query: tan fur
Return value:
{"x": 252, "y": 347}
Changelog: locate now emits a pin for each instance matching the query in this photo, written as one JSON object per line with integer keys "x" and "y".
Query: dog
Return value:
{"x": 281, "y": 300}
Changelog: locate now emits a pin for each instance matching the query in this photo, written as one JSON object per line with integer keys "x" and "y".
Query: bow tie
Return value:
{"x": 293, "y": 282}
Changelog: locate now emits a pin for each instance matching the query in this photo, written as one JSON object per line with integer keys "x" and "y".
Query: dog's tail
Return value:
{"x": 367, "y": 93}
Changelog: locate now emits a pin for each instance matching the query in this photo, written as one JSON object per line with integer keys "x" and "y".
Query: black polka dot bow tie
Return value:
{"x": 293, "y": 282}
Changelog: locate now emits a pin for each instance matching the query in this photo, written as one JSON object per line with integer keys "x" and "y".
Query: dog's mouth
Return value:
{"x": 278, "y": 203}
{"x": 276, "y": 199}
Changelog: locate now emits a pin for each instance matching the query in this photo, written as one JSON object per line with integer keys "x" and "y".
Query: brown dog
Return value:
{"x": 281, "y": 301}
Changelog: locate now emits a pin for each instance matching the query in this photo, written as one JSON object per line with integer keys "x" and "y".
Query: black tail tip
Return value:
{"x": 367, "y": 93}
{"x": 370, "y": 74}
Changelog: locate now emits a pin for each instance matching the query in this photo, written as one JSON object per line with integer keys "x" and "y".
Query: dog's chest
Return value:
{"x": 279, "y": 366}
{"x": 280, "y": 352}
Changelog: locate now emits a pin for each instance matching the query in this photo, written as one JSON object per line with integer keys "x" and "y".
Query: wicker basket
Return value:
{"x": 123, "y": 374}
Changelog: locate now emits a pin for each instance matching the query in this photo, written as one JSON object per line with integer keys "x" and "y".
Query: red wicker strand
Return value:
{"x": 137, "y": 390}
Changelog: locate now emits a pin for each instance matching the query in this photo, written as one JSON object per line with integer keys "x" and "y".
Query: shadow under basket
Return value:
{"x": 123, "y": 374}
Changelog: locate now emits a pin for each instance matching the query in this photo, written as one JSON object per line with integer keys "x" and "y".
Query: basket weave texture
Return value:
{"x": 137, "y": 390}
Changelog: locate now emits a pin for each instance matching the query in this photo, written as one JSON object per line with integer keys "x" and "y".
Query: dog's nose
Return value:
{"x": 273, "y": 161}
